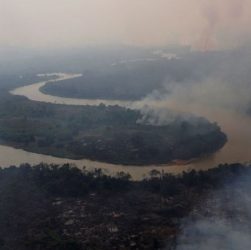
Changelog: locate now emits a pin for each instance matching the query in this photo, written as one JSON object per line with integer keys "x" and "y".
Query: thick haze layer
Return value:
{"x": 204, "y": 24}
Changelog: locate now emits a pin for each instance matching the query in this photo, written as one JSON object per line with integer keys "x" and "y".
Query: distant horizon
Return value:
{"x": 204, "y": 25}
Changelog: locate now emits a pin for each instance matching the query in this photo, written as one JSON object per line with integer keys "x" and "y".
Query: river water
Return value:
{"x": 236, "y": 126}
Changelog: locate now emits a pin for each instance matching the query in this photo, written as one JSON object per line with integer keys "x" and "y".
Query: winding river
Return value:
{"x": 236, "y": 126}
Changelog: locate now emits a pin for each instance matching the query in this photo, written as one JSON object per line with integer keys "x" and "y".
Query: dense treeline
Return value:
{"x": 70, "y": 181}
{"x": 132, "y": 77}
{"x": 131, "y": 81}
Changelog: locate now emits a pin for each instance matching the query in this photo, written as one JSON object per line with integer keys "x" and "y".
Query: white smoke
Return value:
{"x": 226, "y": 87}
{"x": 222, "y": 222}
{"x": 210, "y": 234}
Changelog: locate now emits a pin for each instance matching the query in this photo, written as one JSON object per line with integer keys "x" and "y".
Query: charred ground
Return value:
{"x": 62, "y": 207}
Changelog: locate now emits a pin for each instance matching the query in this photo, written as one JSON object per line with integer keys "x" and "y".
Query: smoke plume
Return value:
{"x": 222, "y": 222}
{"x": 225, "y": 22}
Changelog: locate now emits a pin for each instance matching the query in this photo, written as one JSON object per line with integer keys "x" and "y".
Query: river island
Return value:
{"x": 111, "y": 134}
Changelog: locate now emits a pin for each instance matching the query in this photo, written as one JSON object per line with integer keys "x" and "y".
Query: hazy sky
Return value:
{"x": 75, "y": 23}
